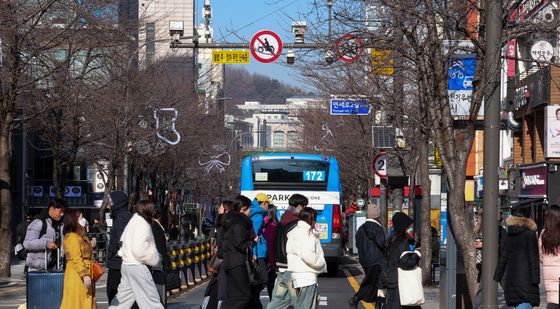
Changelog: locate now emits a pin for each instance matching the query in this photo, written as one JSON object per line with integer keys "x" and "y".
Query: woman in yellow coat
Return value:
{"x": 79, "y": 288}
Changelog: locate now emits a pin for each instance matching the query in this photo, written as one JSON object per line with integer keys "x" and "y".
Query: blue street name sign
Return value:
{"x": 350, "y": 107}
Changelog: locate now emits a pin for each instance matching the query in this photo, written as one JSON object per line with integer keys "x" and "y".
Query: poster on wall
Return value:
{"x": 552, "y": 128}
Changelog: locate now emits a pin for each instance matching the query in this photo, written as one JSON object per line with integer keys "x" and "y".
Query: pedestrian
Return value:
{"x": 284, "y": 291}
{"x": 549, "y": 251}
{"x": 138, "y": 252}
{"x": 305, "y": 259}
{"x": 259, "y": 209}
{"x": 239, "y": 238}
{"x": 269, "y": 232}
{"x": 45, "y": 234}
{"x": 370, "y": 241}
{"x": 398, "y": 242}
{"x": 79, "y": 288}
{"x": 159, "y": 274}
{"x": 520, "y": 261}
{"x": 217, "y": 287}
{"x": 120, "y": 214}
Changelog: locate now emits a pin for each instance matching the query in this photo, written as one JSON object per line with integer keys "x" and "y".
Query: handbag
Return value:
{"x": 214, "y": 263}
{"x": 411, "y": 282}
{"x": 172, "y": 280}
{"x": 254, "y": 271}
{"x": 96, "y": 270}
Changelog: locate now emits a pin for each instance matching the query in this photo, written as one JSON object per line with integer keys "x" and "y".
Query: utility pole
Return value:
{"x": 492, "y": 63}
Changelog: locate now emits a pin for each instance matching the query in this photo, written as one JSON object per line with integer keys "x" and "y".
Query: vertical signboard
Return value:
{"x": 460, "y": 85}
{"x": 552, "y": 128}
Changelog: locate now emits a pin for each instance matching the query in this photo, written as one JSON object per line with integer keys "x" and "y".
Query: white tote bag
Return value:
{"x": 411, "y": 291}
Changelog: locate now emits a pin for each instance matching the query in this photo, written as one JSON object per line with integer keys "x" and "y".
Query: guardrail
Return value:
{"x": 189, "y": 258}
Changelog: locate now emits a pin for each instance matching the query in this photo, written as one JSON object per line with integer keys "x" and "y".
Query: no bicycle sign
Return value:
{"x": 266, "y": 46}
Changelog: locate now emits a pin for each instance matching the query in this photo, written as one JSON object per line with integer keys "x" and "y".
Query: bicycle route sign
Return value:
{"x": 349, "y": 48}
{"x": 266, "y": 46}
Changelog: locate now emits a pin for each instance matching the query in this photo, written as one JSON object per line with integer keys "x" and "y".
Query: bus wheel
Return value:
{"x": 332, "y": 268}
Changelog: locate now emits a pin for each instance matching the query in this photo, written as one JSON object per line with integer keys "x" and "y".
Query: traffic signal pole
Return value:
{"x": 492, "y": 64}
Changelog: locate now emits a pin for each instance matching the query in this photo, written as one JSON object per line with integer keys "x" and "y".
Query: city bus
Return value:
{"x": 279, "y": 175}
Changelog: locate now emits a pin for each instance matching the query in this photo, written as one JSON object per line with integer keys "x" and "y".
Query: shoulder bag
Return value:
{"x": 253, "y": 270}
{"x": 411, "y": 282}
{"x": 96, "y": 270}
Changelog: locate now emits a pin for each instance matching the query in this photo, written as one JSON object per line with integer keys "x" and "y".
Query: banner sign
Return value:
{"x": 317, "y": 199}
{"x": 350, "y": 107}
{"x": 552, "y": 129}
{"x": 230, "y": 57}
{"x": 534, "y": 181}
{"x": 460, "y": 85}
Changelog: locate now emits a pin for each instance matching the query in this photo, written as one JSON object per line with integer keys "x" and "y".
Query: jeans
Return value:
{"x": 283, "y": 292}
{"x": 306, "y": 297}
{"x": 524, "y": 306}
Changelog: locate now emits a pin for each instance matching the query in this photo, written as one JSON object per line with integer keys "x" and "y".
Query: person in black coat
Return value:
{"x": 239, "y": 238}
{"x": 160, "y": 237}
{"x": 370, "y": 241}
{"x": 519, "y": 262}
{"x": 120, "y": 213}
{"x": 398, "y": 242}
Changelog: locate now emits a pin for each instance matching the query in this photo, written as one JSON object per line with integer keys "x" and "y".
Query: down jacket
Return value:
{"x": 238, "y": 239}
{"x": 551, "y": 272}
{"x": 370, "y": 241}
{"x": 304, "y": 251}
{"x": 36, "y": 246}
{"x": 519, "y": 263}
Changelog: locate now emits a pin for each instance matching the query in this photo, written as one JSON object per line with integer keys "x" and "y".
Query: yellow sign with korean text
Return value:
{"x": 230, "y": 57}
{"x": 381, "y": 62}
{"x": 437, "y": 158}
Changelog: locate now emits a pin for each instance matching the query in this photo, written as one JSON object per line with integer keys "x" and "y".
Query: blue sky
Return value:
{"x": 246, "y": 17}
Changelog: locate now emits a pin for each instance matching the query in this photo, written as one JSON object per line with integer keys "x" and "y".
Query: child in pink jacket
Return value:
{"x": 549, "y": 251}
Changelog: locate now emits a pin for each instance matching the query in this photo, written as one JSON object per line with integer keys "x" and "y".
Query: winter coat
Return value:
{"x": 36, "y": 246}
{"x": 370, "y": 241}
{"x": 77, "y": 249}
{"x": 257, "y": 215}
{"x": 304, "y": 251}
{"x": 519, "y": 263}
{"x": 390, "y": 278}
{"x": 238, "y": 238}
{"x": 269, "y": 232}
{"x": 138, "y": 243}
{"x": 120, "y": 215}
{"x": 551, "y": 273}
{"x": 160, "y": 238}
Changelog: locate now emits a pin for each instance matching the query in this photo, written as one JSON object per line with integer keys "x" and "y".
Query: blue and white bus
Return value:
{"x": 317, "y": 177}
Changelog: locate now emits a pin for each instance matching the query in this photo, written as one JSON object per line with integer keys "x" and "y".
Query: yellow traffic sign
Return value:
{"x": 382, "y": 63}
{"x": 437, "y": 158}
{"x": 230, "y": 57}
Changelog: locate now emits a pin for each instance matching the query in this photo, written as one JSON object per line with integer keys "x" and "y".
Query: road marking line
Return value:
{"x": 356, "y": 287}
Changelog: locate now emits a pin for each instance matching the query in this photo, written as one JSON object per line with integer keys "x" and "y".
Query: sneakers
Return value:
{"x": 353, "y": 302}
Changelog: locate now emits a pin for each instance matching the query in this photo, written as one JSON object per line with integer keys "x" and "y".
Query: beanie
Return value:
{"x": 401, "y": 221}
{"x": 373, "y": 211}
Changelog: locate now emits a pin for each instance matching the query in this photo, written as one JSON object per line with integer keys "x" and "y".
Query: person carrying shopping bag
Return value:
{"x": 305, "y": 259}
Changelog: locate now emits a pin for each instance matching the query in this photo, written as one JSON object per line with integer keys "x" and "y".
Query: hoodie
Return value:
{"x": 257, "y": 215}
{"x": 120, "y": 215}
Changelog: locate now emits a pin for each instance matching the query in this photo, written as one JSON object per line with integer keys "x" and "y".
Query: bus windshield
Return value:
{"x": 304, "y": 174}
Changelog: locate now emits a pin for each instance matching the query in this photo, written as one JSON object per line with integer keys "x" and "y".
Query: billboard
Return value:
{"x": 552, "y": 128}
{"x": 534, "y": 181}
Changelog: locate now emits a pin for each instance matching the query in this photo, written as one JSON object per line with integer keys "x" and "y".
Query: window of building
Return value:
{"x": 278, "y": 139}
{"x": 292, "y": 139}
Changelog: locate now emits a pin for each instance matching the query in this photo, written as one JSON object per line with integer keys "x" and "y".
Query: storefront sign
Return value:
{"x": 533, "y": 181}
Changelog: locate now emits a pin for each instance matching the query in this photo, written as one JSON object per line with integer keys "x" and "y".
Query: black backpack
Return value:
{"x": 280, "y": 240}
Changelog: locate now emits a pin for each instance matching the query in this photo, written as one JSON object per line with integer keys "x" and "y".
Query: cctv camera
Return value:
{"x": 330, "y": 57}
{"x": 290, "y": 57}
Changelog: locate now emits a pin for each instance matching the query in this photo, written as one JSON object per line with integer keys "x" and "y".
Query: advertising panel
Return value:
{"x": 552, "y": 129}
{"x": 534, "y": 181}
{"x": 460, "y": 85}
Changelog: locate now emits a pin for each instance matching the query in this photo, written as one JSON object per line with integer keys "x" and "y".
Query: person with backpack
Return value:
{"x": 45, "y": 234}
{"x": 370, "y": 241}
{"x": 259, "y": 208}
{"x": 283, "y": 288}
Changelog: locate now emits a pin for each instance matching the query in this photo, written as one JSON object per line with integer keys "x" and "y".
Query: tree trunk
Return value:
{"x": 426, "y": 205}
{"x": 461, "y": 228}
{"x": 108, "y": 188}
{"x": 57, "y": 175}
{"x": 5, "y": 196}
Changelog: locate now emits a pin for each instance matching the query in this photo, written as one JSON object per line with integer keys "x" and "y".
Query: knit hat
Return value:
{"x": 373, "y": 211}
{"x": 401, "y": 221}
{"x": 261, "y": 197}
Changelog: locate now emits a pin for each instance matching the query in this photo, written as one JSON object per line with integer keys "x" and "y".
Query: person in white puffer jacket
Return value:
{"x": 138, "y": 251}
{"x": 305, "y": 259}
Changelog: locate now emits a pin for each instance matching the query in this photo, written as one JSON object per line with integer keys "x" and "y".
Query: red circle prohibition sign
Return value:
{"x": 381, "y": 160}
{"x": 349, "y": 48}
{"x": 266, "y": 46}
